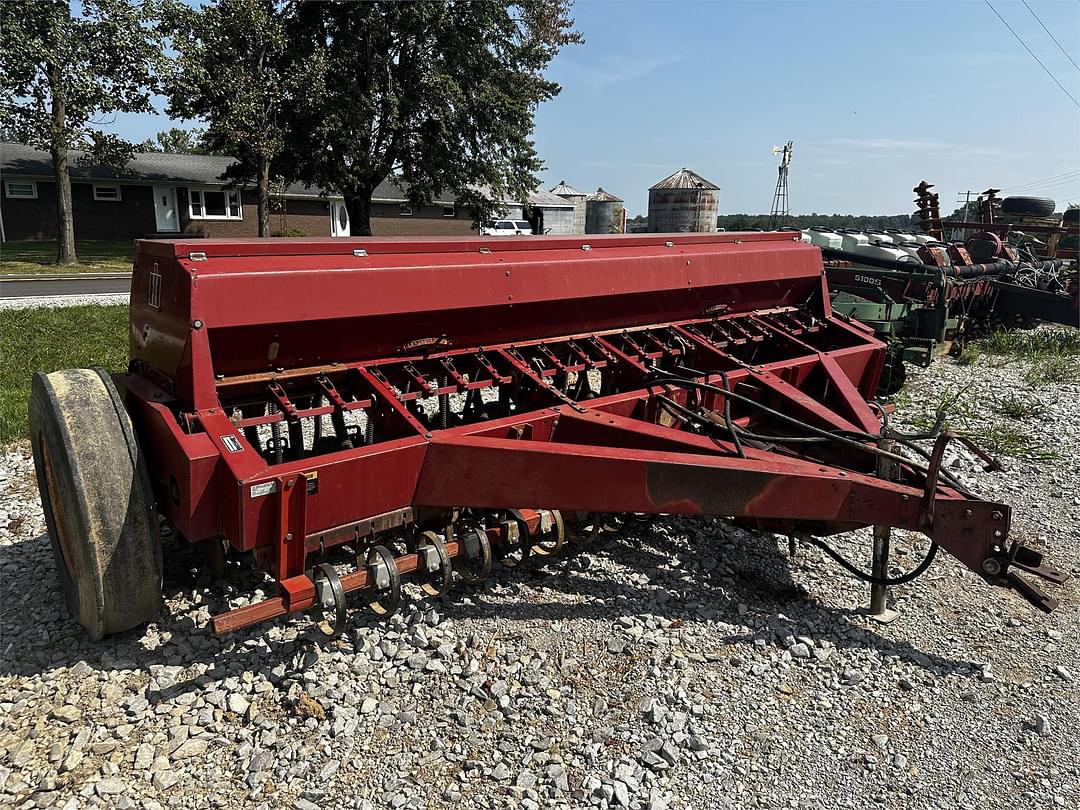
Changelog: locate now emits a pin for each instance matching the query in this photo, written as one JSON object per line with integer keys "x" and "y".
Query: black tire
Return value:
{"x": 98, "y": 504}
{"x": 1028, "y": 206}
{"x": 981, "y": 250}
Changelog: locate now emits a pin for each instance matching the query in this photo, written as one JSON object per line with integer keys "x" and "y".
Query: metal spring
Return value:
{"x": 444, "y": 406}
{"x": 275, "y": 435}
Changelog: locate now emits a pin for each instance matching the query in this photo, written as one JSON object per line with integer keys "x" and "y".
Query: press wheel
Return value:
{"x": 97, "y": 500}
{"x": 383, "y": 597}
{"x": 435, "y": 580}
{"x": 474, "y": 563}
{"x": 549, "y": 545}
{"x": 333, "y": 615}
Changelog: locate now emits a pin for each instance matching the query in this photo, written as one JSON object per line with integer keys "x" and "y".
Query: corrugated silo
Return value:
{"x": 572, "y": 195}
{"x": 684, "y": 202}
{"x": 603, "y": 213}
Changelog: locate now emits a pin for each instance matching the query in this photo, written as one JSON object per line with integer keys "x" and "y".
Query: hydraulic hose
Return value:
{"x": 900, "y": 266}
{"x": 997, "y": 268}
{"x": 660, "y": 377}
{"x": 915, "y": 573}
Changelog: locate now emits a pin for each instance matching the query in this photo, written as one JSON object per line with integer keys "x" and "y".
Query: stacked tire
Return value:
{"x": 1037, "y": 207}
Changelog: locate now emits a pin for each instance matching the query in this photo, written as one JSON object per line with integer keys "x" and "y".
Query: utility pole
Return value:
{"x": 967, "y": 204}
{"x": 779, "y": 213}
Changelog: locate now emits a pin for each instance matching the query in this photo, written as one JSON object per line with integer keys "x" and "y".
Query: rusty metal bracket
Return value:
{"x": 926, "y": 508}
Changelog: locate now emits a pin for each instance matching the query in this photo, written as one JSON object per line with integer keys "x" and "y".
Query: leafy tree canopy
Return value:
{"x": 62, "y": 76}
{"x": 90, "y": 66}
{"x": 738, "y": 222}
{"x": 235, "y": 72}
{"x": 177, "y": 141}
{"x": 438, "y": 96}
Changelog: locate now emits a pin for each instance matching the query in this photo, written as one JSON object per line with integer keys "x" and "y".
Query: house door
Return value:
{"x": 339, "y": 219}
{"x": 165, "y": 209}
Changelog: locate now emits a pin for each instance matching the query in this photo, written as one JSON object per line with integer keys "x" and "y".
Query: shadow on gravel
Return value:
{"x": 761, "y": 580}
{"x": 37, "y": 633}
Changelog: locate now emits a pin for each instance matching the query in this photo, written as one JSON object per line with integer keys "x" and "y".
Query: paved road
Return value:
{"x": 82, "y": 284}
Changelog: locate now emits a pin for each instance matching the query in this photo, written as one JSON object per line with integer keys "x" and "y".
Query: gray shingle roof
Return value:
{"x": 17, "y": 159}
{"x": 545, "y": 199}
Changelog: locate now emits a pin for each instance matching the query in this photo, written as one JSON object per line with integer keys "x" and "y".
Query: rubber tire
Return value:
{"x": 1028, "y": 206}
{"x": 97, "y": 499}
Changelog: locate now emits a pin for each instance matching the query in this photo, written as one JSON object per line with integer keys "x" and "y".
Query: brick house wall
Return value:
{"x": 130, "y": 217}
{"x": 31, "y": 219}
{"x": 427, "y": 220}
{"x": 310, "y": 216}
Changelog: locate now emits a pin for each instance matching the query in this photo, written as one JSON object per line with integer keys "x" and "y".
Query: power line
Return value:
{"x": 1068, "y": 177}
{"x": 1072, "y": 182}
{"x": 1065, "y": 186}
{"x": 1033, "y": 56}
{"x": 1054, "y": 181}
{"x": 1047, "y": 30}
{"x": 1069, "y": 173}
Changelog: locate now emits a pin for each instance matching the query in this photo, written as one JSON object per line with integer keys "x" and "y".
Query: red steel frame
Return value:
{"x": 219, "y": 325}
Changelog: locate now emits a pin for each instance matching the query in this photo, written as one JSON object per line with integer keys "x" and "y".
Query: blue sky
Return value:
{"x": 876, "y": 96}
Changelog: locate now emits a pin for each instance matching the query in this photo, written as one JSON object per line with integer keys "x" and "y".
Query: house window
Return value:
{"x": 21, "y": 189}
{"x": 107, "y": 193}
{"x": 406, "y": 210}
{"x": 213, "y": 203}
{"x": 449, "y": 210}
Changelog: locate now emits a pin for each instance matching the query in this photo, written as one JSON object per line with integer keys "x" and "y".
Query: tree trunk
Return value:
{"x": 65, "y": 223}
{"x": 358, "y": 204}
{"x": 262, "y": 195}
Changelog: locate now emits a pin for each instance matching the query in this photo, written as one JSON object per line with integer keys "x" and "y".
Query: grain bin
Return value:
{"x": 604, "y": 213}
{"x": 577, "y": 198}
{"x": 684, "y": 202}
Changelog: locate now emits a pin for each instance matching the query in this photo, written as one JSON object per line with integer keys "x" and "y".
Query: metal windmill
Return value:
{"x": 778, "y": 214}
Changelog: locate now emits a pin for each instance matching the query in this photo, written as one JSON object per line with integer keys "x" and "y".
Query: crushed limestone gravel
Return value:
{"x": 58, "y": 301}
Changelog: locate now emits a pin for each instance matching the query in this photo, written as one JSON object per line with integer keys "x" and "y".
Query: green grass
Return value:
{"x": 1007, "y": 438}
{"x": 969, "y": 355}
{"x": 51, "y": 339}
{"x": 1051, "y": 355}
{"x": 965, "y": 414}
{"x": 38, "y": 257}
{"x": 1052, "y": 369}
{"x": 1018, "y": 408}
{"x": 1033, "y": 345}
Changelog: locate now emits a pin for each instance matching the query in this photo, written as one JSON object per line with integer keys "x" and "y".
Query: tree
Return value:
{"x": 738, "y": 222}
{"x": 615, "y": 225}
{"x": 233, "y": 71}
{"x": 436, "y": 96}
{"x": 59, "y": 72}
{"x": 177, "y": 141}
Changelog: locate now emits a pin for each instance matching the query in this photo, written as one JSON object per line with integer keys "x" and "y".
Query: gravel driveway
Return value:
{"x": 681, "y": 664}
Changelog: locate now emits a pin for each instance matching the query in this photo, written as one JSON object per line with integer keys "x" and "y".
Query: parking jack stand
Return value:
{"x": 879, "y": 610}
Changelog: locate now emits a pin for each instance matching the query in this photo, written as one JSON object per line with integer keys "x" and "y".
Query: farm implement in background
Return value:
{"x": 923, "y": 294}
